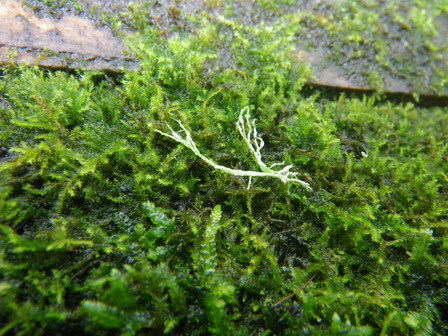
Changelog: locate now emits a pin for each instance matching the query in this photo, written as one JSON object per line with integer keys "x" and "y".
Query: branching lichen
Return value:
{"x": 246, "y": 127}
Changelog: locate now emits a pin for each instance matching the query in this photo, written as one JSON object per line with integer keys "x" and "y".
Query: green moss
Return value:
{"x": 391, "y": 45}
{"x": 394, "y": 43}
{"x": 107, "y": 228}
{"x": 54, "y": 9}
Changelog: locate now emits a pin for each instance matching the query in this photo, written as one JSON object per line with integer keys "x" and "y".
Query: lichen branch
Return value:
{"x": 248, "y": 131}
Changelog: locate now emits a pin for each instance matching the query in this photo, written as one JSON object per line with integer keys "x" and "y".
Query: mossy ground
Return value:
{"x": 109, "y": 228}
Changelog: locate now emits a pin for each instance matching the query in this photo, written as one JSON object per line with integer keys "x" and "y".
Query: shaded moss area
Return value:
{"x": 392, "y": 46}
{"x": 397, "y": 46}
{"x": 109, "y": 228}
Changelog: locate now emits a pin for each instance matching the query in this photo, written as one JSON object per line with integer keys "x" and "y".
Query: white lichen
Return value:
{"x": 246, "y": 127}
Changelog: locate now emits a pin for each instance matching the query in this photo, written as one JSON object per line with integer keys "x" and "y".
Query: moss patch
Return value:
{"x": 108, "y": 228}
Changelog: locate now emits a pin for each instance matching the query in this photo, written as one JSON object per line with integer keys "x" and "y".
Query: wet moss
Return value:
{"x": 108, "y": 228}
{"x": 396, "y": 46}
{"x": 393, "y": 45}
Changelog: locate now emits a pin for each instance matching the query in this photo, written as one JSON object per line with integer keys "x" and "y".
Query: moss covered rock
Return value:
{"x": 110, "y": 228}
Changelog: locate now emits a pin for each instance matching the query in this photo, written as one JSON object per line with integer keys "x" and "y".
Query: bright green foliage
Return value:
{"x": 107, "y": 228}
{"x": 218, "y": 290}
